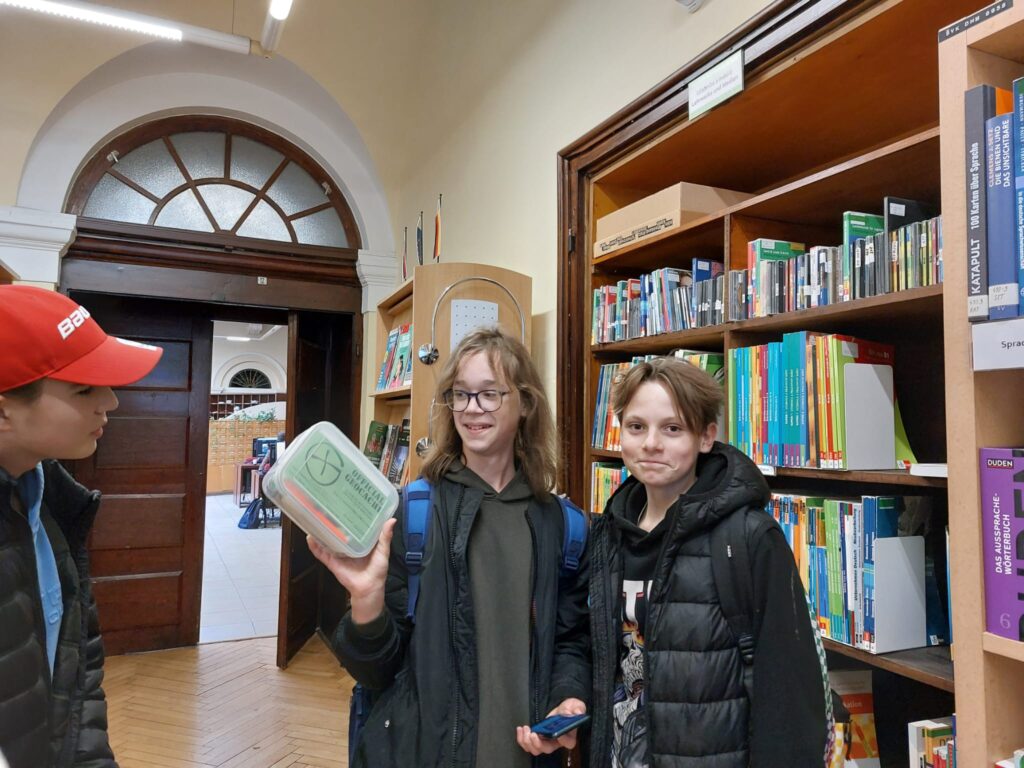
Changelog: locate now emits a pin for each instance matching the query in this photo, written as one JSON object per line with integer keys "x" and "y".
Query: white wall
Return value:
{"x": 510, "y": 84}
{"x": 269, "y": 355}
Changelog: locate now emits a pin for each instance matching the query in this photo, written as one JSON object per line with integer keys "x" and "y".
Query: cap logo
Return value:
{"x": 69, "y": 324}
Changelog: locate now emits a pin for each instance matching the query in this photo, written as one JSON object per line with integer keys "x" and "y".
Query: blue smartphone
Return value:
{"x": 558, "y": 725}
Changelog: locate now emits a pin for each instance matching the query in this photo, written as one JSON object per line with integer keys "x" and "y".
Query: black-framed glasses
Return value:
{"x": 489, "y": 400}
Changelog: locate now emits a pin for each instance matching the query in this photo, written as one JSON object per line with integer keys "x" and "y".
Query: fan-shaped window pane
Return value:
{"x": 250, "y": 378}
{"x": 183, "y": 212}
{"x": 202, "y": 153}
{"x": 265, "y": 223}
{"x": 225, "y": 202}
{"x": 113, "y": 199}
{"x": 152, "y": 168}
{"x": 321, "y": 228}
{"x": 295, "y": 190}
{"x": 251, "y": 162}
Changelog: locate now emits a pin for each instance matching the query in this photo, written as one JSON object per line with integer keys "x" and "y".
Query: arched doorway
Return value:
{"x": 183, "y": 221}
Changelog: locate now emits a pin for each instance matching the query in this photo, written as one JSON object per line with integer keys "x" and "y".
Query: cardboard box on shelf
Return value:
{"x": 671, "y": 207}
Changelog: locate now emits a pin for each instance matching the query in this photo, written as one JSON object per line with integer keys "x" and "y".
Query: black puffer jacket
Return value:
{"x": 62, "y": 722}
{"x": 698, "y": 713}
{"x": 426, "y": 715}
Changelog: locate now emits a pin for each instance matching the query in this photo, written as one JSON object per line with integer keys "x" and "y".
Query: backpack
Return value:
{"x": 416, "y": 518}
{"x": 734, "y": 581}
{"x": 251, "y": 516}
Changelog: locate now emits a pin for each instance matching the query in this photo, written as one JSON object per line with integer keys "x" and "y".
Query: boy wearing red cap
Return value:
{"x": 56, "y": 374}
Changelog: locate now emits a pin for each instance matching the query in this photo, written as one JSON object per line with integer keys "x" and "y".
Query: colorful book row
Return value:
{"x": 605, "y": 479}
{"x": 387, "y": 448}
{"x": 396, "y": 368}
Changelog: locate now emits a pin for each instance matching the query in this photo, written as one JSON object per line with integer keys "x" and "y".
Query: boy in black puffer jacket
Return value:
{"x": 55, "y": 379}
{"x": 668, "y": 673}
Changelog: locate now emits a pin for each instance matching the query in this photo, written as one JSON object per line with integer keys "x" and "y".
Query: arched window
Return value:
{"x": 215, "y": 176}
{"x": 250, "y": 378}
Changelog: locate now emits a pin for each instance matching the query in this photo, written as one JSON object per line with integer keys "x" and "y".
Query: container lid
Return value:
{"x": 330, "y": 490}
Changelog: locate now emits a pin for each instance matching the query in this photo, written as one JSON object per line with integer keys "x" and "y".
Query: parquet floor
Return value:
{"x": 226, "y": 705}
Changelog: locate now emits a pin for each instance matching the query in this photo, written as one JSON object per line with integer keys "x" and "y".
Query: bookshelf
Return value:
{"x": 979, "y": 412}
{"x": 413, "y": 302}
{"x": 840, "y": 109}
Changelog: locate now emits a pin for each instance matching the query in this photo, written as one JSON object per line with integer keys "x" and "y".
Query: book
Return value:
{"x": 855, "y": 225}
{"x": 1002, "y": 486}
{"x": 1003, "y": 300}
{"x": 980, "y": 103}
{"x": 389, "y": 355}
{"x": 930, "y": 470}
{"x": 400, "y": 455}
{"x": 923, "y": 736}
{"x": 376, "y": 433}
{"x": 854, "y": 688}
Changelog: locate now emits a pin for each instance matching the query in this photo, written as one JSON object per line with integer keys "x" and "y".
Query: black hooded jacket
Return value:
{"x": 59, "y": 722}
{"x": 426, "y": 715}
{"x": 697, "y": 712}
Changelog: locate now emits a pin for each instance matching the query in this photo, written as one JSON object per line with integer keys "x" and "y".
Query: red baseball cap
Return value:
{"x": 44, "y": 334}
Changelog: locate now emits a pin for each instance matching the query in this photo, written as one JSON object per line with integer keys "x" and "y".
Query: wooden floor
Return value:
{"x": 226, "y": 705}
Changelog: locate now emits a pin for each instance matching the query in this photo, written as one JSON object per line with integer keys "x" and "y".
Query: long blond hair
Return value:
{"x": 534, "y": 445}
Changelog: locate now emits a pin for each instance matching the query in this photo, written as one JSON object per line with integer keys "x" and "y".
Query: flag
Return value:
{"x": 437, "y": 232}
{"x": 405, "y": 256}
{"x": 419, "y": 240}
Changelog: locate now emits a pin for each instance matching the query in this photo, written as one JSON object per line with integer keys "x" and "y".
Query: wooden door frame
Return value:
{"x": 165, "y": 278}
{"x": 773, "y": 34}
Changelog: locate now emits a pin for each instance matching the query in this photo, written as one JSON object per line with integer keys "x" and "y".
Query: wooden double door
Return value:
{"x": 146, "y": 546}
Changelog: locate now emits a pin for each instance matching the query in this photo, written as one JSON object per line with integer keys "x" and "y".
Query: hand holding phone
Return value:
{"x": 558, "y": 725}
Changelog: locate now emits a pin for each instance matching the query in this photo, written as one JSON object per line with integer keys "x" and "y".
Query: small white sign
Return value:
{"x": 767, "y": 470}
{"x": 468, "y": 315}
{"x": 998, "y": 345}
{"x": 721, "y": 82}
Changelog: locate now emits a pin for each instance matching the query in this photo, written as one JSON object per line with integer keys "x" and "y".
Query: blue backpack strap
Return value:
{"x": 574, "y": 536}
{"x": 416, "y": 511}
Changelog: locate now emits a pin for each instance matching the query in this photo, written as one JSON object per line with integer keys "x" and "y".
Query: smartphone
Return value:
{"x": 558, "y": 725}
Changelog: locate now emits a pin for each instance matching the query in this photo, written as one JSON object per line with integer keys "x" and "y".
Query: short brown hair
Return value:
{"x": 535, "y": 440}
{"x": 698, "y": 397}
{"x": 28, "y": 392}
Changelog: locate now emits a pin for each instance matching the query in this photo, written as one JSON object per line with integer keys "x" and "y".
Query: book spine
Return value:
{"x": 1017, "y": 143}
{"x": 1003, "y": 523}
{"x": 979, "y": 106}
{"x": 1002, "y": 259}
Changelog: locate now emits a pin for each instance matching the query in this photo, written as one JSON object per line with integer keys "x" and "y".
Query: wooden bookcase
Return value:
{"x": 414, "y": 301}
{"x": 840, "y": 109}
{"x": 983, "y": 409}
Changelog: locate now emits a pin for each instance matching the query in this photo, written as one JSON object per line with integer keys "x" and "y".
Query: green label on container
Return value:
{"x": 344, "y": 496}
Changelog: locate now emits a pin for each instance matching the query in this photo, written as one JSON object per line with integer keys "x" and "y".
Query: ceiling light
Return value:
{"x": 98, "y": 15}
{"x": 135, "y": 22}
{"x": 238, "y": 338}
{"x": 280, "y": 9}
{"x": 274, "y": 24}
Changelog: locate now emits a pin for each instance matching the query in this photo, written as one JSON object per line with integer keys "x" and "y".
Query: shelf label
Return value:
{"x": 721, "y": 82}
{"x": 767, "y": 470}
{"x": 998, "y": 345}
{"x": 975, "y": 18}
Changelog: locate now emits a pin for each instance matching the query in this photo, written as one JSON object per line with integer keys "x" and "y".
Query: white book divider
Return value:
{"x": 899, "y": 594}
{"x": 870, "y": 416}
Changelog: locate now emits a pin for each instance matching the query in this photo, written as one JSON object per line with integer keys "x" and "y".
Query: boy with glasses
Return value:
{"x": 499, "y": 638}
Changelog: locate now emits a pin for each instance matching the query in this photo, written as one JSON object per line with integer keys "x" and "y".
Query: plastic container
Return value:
{"x": 330, "y": 490}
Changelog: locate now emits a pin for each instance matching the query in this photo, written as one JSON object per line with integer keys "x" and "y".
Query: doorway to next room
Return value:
{"x": 242, "y": 551}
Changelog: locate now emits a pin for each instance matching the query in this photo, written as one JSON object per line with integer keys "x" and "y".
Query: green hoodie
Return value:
{"x": 500, "y": 556}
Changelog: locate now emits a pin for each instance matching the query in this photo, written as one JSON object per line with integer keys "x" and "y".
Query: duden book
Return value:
{"x": 1002, "y": 495}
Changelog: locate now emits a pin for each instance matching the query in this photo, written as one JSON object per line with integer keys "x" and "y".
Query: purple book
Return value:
{"x": 1002, "y": 508}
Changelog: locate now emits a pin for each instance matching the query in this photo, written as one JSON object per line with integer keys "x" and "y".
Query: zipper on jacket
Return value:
{"x": 535, "y": 674}
{"x": 456, "y": 688}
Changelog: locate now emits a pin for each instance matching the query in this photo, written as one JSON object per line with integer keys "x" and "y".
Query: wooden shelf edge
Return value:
{"x": 841, "y": 310}
{"x": 398, "y": 393}
{"x": 1002, "y": 646}
{"x": 875, "y": 476}
{"x": 396, "y": 300}
{"x": 782, "y": 321}
{"x": 931, "y": 666}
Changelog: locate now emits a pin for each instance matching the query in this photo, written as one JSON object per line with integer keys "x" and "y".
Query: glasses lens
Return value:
{"x": 489, "y": 399}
